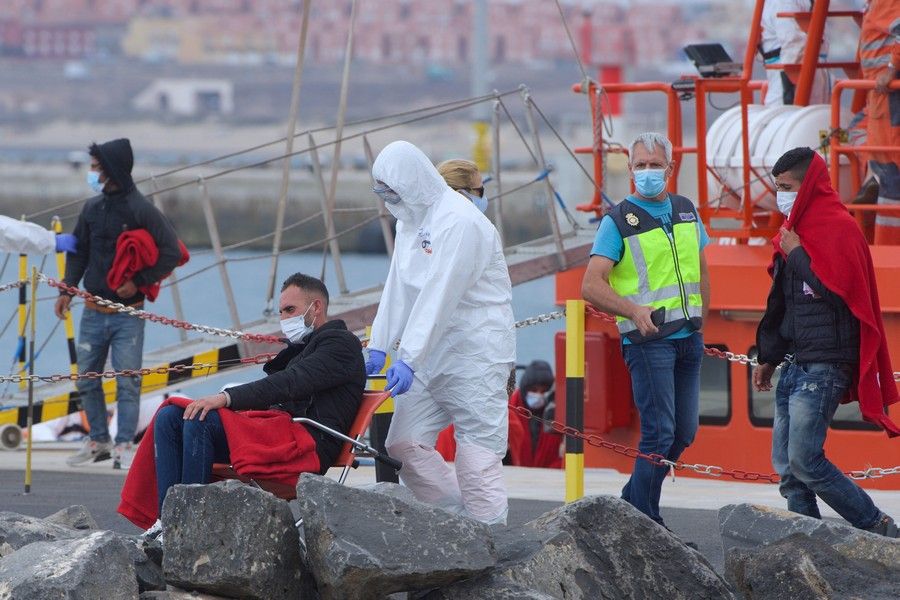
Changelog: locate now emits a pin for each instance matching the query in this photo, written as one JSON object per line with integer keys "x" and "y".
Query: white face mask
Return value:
{"x": 785, "y": 202}
{"x": 295, "y": 328}
{"x": 535, "y": 400}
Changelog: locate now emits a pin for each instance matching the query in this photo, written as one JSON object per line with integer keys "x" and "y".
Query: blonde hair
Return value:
{"x": 458, "y": 173}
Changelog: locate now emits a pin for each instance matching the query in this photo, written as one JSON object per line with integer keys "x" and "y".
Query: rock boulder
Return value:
{"x": 76, "y": 517}
{"x": 597, "y": 547}
{"x": 232, "y": 539}
{"x": 364, "y": 544}
{"x": 802, "y": 568}
{"x": 90, "y": 567}
{"x": 17, "y": 531}
{"x": 750, "y": 526}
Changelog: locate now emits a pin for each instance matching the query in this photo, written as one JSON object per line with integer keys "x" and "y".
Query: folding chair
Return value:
{"x": 353, "y": 449}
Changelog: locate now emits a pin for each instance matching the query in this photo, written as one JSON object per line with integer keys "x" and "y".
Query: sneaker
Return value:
{"x": 90, "y": 451}
{"x": 122, "y": 456}
{"x": 154, "y": 533}
{"x": 884, "y": 526}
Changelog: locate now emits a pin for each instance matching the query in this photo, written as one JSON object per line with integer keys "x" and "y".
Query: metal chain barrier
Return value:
{"x": 271, "y": 339}
{"x": 661, "y": 461}
{"x": 12, "y": 285}
{"x": 258, "y": 359}
{"x": 148, "y": 316}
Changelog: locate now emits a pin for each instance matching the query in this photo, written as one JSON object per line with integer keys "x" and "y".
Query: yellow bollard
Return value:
{"x": 381, "y": 422}
{"x": 23, "y": 315}
{"x": 70, "y": 329}
{"x": 30, "y": 420}
{"x": 574, "y": 398}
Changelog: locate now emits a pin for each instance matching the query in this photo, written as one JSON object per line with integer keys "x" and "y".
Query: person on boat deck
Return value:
{"x": 823, "y": 317}
{"x": 463, "y": 176}
{"x": 447, "y": 302}
{"x": 538, "y": 446}
{"x": 117, "y": 207}
{"x": 29, "y": 238}
{"x": 783, "y": 41}
{"x": 879, "y": 56}
{"x": 531, "y": 443}
{"x": 647, "y": 267}
{"x": 321, "y": 374}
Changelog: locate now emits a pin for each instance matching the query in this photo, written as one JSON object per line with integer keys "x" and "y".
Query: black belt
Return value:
{"x": 770, "y": 54}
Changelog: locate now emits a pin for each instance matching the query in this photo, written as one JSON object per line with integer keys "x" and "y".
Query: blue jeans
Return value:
{"x": 805, "y": 401}
{"x": 186, "y": 450}
{"x": 665, "y": 381}
{"x": 123, "y": 335}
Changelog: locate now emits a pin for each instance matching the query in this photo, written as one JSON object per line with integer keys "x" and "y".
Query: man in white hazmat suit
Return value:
{"x": 783, "y": 41}
{"x": 29, "y": 238}
{"x": 447, "y": 300}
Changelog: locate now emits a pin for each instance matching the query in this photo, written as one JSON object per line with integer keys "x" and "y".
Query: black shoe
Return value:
{"x": 868, "y": 193}
{"x": 884, "y": 526}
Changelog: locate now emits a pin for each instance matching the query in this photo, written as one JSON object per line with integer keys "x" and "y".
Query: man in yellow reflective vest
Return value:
{"x": 647, "y": 268}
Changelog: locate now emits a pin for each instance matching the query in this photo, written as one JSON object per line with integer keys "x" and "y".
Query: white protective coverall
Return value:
{"x": 784, "y": 33}
{"x": 447, "y": 299}
{"x": 25, "y": 238}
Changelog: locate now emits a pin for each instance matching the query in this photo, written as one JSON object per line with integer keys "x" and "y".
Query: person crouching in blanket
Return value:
{"x": 321, "y": 374}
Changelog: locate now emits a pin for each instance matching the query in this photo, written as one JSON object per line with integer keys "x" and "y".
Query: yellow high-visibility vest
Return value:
{"x": 659, "y": 269}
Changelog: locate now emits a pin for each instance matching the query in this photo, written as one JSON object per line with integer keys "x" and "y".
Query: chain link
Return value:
{"x": 148, "y": 316}
{"x": 542, "y": 318}
{"x": 12, "y": 285}
{"x": 257, "y": 359}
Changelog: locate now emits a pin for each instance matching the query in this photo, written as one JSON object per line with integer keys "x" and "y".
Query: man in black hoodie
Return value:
{"x": 117, "y": 207}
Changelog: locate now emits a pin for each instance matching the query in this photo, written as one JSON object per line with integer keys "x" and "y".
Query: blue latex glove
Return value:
{"x": 376, "y": 361}
{"x": 399, "y": 378}
{"x": 66, "y": 242}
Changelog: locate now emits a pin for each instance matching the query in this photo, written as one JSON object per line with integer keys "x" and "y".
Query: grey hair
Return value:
{"x": 652, "y": 139}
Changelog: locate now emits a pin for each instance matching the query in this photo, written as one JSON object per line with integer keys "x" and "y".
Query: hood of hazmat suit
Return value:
{"x": 448, "y": 294}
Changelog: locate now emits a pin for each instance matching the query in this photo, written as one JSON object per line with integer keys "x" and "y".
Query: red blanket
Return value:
{"x": 840, "y": 258}
{"x": 135, "y": 251}
{"x": 263, "y": 444}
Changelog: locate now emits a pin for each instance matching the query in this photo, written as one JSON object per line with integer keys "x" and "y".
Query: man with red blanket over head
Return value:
{"x": 321, "y": 374}
{"x": 822, "y": 310}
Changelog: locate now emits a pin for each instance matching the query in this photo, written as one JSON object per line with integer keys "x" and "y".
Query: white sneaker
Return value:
{"x": 154, "y": 533}
{"x": 123, "y": 455}
{"x": 90, "y": 451}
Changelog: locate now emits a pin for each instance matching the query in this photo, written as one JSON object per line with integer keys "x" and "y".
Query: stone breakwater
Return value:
{"x": 230, "y": 540}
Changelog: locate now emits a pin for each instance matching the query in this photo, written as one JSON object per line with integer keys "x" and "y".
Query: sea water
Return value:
{"x": 204, "y": 302}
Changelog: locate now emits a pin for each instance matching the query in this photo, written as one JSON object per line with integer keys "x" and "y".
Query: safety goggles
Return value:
{"x": 386, "y": 193}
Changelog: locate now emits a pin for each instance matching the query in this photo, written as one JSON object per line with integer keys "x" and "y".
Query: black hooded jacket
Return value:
{"x": 322, "y": 377}
{"x": 103, "y": 218}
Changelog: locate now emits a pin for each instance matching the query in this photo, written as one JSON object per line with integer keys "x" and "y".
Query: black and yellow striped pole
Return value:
{"x": 70, "y": 329}
{"x": 574, "y": 398}
{"x": 23, "y": 315}
{"x": 30, "y": 421}
{"x": 381, "y": 422}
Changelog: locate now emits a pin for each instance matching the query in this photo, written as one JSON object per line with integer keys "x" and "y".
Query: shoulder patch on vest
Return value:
{"x": 688, "y": 216}
{"x": 632, "y": 219}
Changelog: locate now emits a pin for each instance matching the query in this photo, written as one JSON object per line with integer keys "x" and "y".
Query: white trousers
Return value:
{"x": 476, "y": 405}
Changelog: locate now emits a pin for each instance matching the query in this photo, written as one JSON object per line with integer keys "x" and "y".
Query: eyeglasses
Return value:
{"x": 479, "y": 191}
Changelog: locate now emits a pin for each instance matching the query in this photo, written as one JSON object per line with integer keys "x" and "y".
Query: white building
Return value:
{"x": 187, "y": 97}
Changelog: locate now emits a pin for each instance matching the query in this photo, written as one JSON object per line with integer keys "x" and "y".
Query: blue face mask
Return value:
{"x": 650, "y": 182}
{"x": 93, "y": 181}
{"x": 479, "y": 202}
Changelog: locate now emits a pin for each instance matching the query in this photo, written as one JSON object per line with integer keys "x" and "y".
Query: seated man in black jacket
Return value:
{"x": 321, "y": 375}
{"x": 810, "y": 320}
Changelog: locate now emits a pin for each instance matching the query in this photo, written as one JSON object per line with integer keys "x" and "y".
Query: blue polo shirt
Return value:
{"x": 609, "y": 243}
